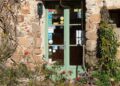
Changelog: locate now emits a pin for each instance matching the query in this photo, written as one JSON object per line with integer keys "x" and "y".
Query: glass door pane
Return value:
{"x": 76, "y": 53}
{"x": 76, "y": 32}
{"x": 56, "y": 35}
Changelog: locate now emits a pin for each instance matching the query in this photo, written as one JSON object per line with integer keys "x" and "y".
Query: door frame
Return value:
{"x": 66, "y": 66}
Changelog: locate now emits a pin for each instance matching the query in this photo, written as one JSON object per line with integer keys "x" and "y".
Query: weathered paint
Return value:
{"x": 66, "y": 67}
{"x": 66, "y": 38}
{"x": 46, "y": 35}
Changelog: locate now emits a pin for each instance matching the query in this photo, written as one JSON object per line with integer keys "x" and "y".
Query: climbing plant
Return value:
{"x": 108, "y": 47}
{"x": 108, "y": 43}
{"x": 108, "y": 69}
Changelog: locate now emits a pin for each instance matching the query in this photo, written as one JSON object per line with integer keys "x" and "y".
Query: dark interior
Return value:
{"x": 58, "y": 35}
{"x": 73, "y": 17}
{"x": 115, "y": 16}
{"x": 76, "y": 51}
{"x": 58, "y": 55}
{"x": 56, "y": 17}
{"x": 76, "y": 54}
{"x": 52, "y": 4}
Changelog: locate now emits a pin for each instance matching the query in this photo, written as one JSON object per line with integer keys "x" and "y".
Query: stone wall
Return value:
{"x": 29, "y": 34}
{"x": 113, "y": 4}
{"x": 30, "y": 31}
{"x": 92, "y": 23}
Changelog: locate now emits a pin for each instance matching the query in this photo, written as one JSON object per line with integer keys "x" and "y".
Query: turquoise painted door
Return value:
{"x": 55, "y": 35}
{"x": 64, "y": 38}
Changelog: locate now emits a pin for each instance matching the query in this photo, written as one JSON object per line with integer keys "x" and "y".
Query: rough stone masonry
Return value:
{"x": 30, "y": 33}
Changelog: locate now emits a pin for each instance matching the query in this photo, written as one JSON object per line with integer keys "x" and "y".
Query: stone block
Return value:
{"x": 31, "y": 66}
{"x": 91, "y": 35}
{"x": 25, "y": 8}
{"x": 20, "y": 18}
{"x": 35, "y": 27}
{"x": 38, "y": 42}
{"x": 30, "y": 49}
{"x": 8, "y": 63}
{"x": 99, "y": 1}
{"x": 17, "y": 58}
{"x": 37, "y": 51}
{"x": 20, "y": 33}
{"x": 37, "y": 59}
{"x": 113, "y": 4}
{"x": 91, "y": 26}
{"x": 38, "y": 35}
{"x": 95, "y": 18}
{"x": 91, "y": 45}
{"x": 118, "y": 53}
{"x": 24, "y": 41}
{"x": 90, "y": 60}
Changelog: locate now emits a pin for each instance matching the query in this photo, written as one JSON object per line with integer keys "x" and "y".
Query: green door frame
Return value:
{"x": 67, "y": 65}
{"x": 66, "y": 38}
{"x": 46, "y": 35}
